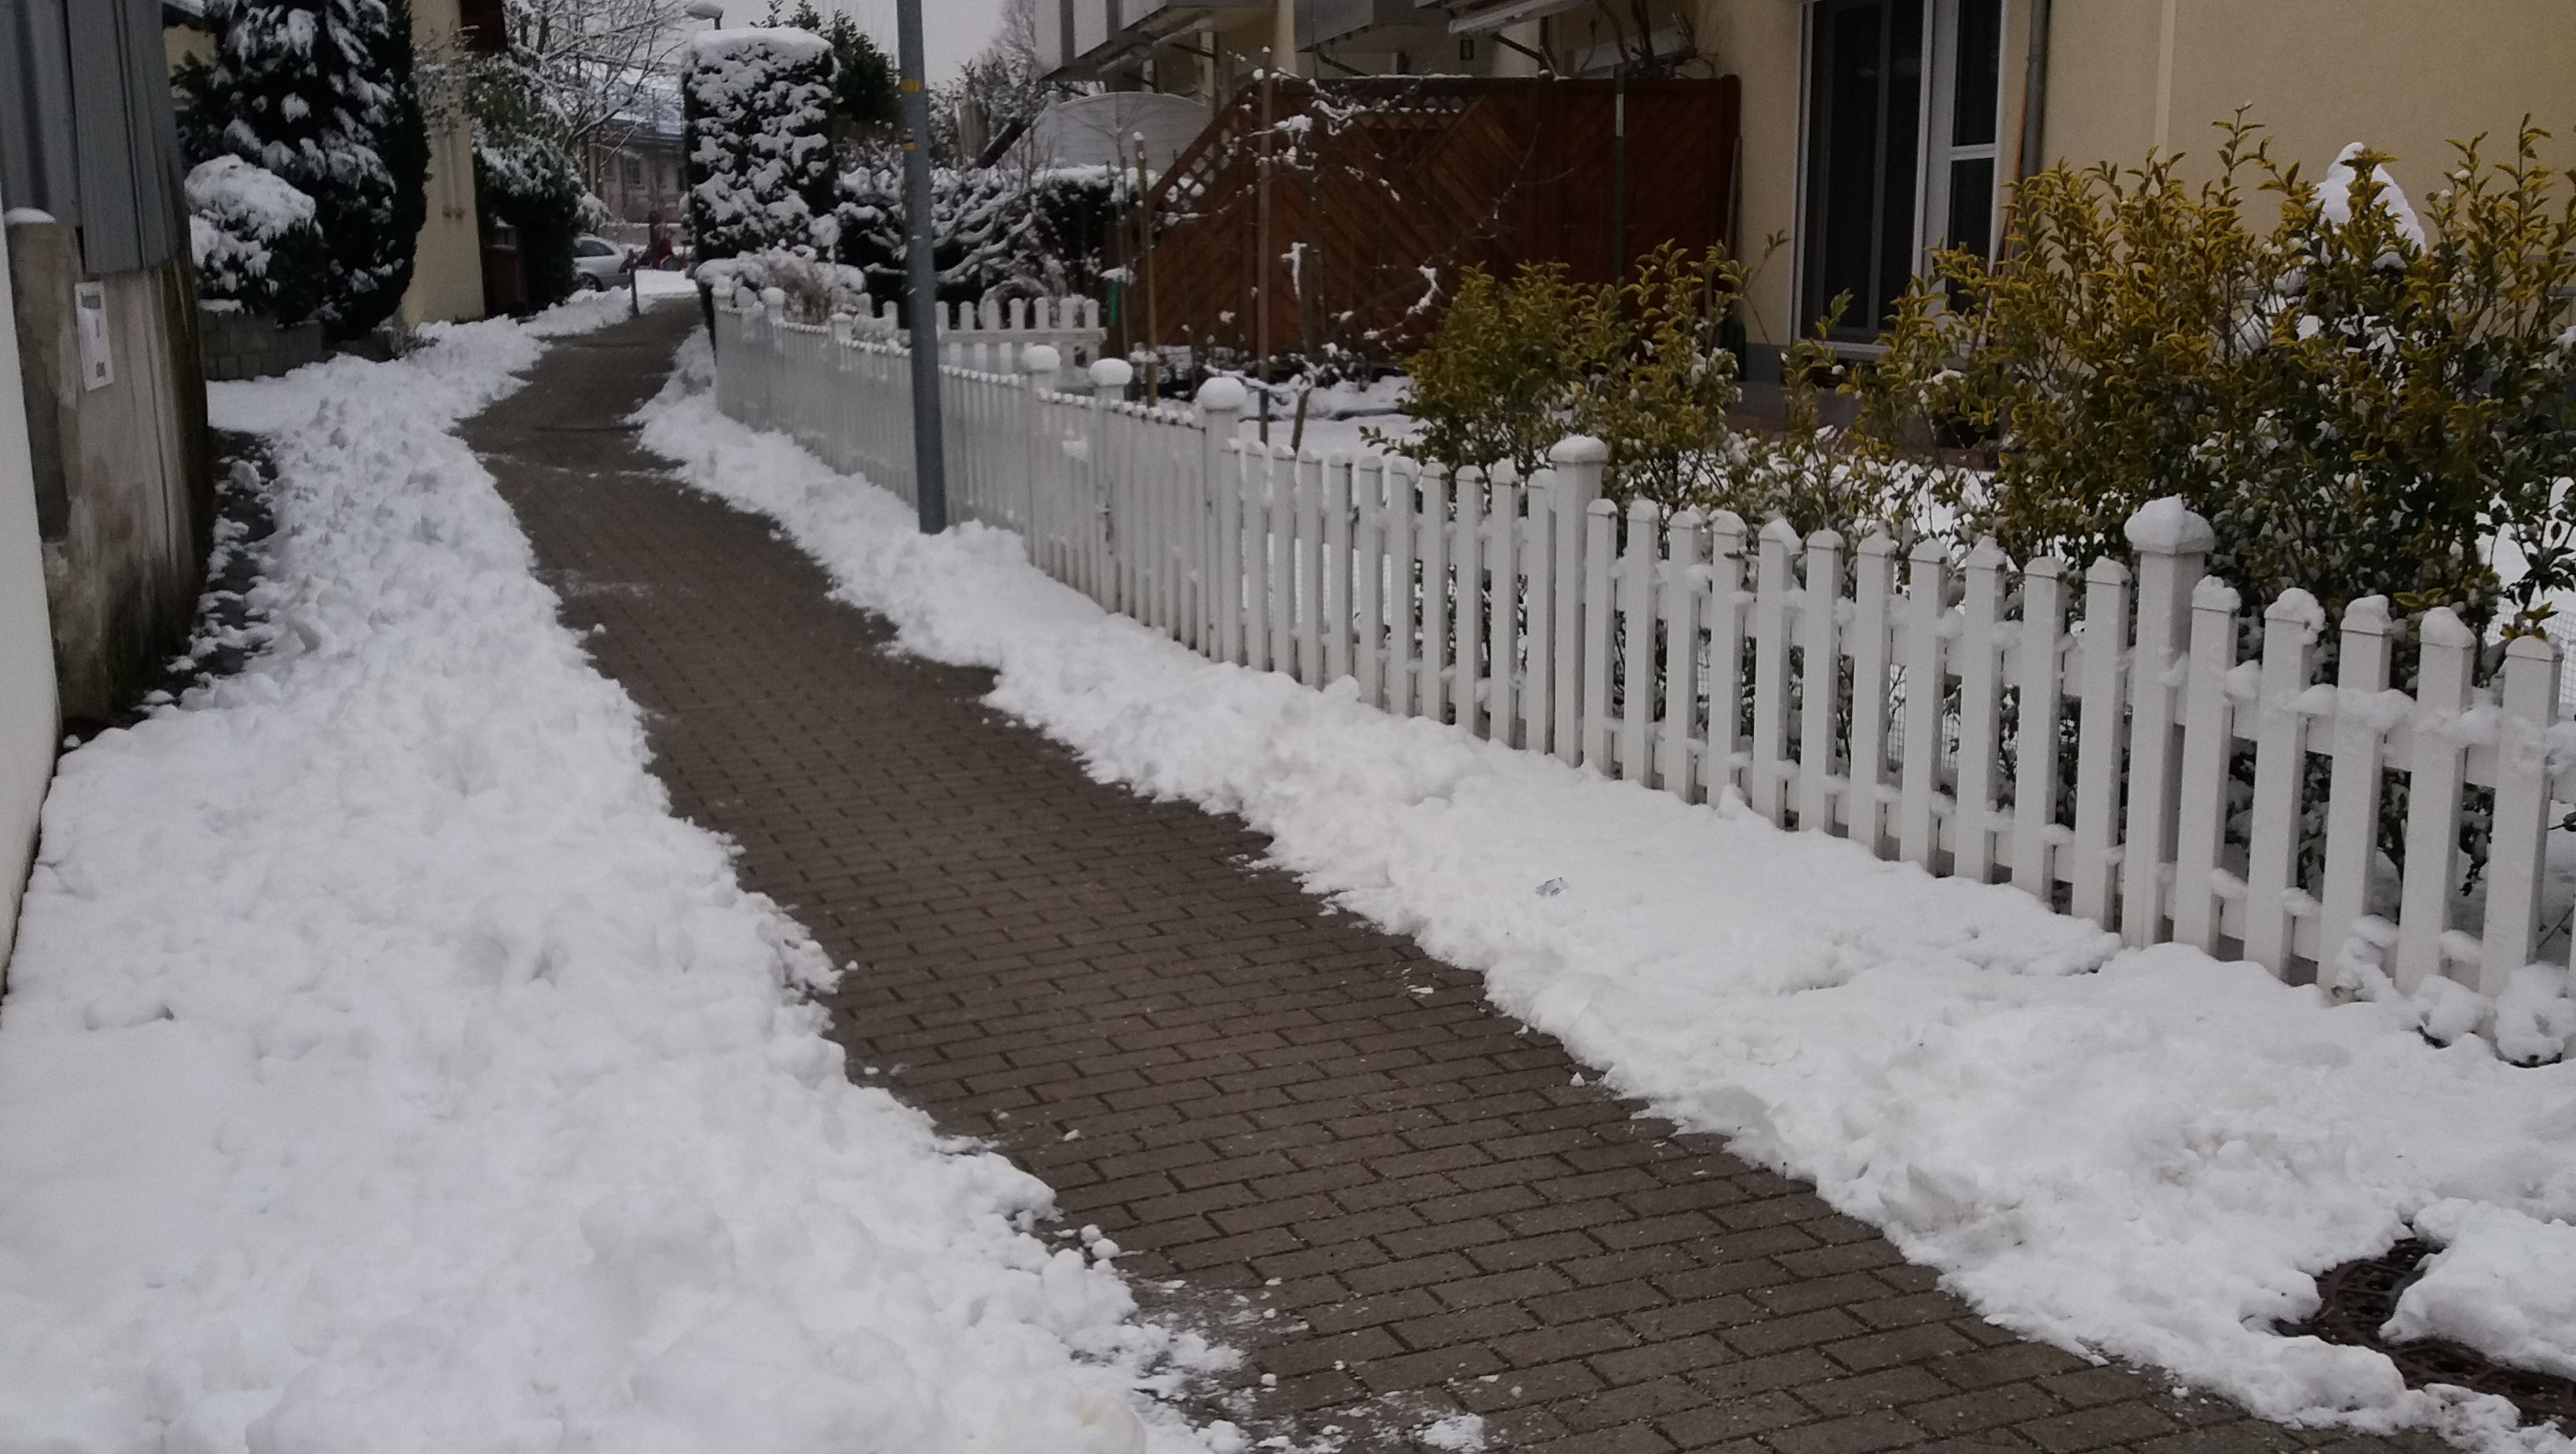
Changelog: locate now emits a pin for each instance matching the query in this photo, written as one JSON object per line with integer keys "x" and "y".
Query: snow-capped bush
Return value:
{"x": 526, "y": 179}
{"x": 815, "y": 289}
{"x": 255, "y": 239}
{"x": 1003, "y": 232}
{"x": 758, "y": 105}
{"x": 320, "y": 93}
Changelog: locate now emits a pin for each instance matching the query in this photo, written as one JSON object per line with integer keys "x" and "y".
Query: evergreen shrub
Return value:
{"x": 320, "y": 93}
{"x": 757, "y": 104}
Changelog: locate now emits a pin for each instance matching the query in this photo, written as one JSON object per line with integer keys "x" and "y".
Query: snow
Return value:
{"x": 2334, "y": 195}
{"x": 780, "y": 42}
{"x": 2139, "y": 1154}
{"x": 2503, "y": 1281}
{"x": 2168, "y": 527}
{"x": 25, "y": 217}
{"x": 384, "y": 1067}
{"x": 249, "y": 198}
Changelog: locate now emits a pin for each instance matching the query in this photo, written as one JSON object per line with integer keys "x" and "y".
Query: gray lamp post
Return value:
{"x": 922, "y": 274}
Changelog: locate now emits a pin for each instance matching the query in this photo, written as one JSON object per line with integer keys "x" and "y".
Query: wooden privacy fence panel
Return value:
{"x": 1382, "y": 188}
{"x": 2094, "y": 740}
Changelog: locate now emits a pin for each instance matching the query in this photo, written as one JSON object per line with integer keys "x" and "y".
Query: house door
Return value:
{"x": 1901, "y": 129}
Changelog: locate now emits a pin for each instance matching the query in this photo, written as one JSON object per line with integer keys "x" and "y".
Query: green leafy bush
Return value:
{"x": 2356, "y": 399}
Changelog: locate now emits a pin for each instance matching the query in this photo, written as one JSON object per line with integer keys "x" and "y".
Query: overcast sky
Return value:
{"x": 955, "y": 29}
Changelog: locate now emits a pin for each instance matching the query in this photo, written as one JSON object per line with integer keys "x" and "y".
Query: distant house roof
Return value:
{"x": 1090, "y": 131}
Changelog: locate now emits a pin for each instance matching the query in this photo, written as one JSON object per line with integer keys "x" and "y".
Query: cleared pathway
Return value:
{"x": 1310, "y": 1137}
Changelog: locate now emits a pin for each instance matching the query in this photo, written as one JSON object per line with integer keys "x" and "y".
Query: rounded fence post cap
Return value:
{"x": 1112, "y": 373}
{"x": 1579, "y": 449}
{"x": 2168, "y": 527}
{"x": 1223, "y": 392}
{"x": 1039, "y": 358}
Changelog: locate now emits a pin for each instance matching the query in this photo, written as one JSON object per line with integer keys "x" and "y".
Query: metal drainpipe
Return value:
{"x": 2034, "y": 93}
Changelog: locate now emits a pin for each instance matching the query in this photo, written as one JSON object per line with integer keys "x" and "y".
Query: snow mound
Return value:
{"x": 384, "y": 1067}
{"x": 247, "y": 197}
{"x": 2144, "y": 1155}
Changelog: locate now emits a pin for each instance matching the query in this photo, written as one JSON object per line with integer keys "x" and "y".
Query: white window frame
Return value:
{"x": 1939, "y": 122}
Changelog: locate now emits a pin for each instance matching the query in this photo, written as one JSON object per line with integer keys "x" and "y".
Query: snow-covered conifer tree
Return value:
{"x": 758, "y": 104}
{"x": 320, "y": 93}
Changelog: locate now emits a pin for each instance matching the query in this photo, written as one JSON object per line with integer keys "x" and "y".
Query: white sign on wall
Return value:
{"x": 89, "y": 312}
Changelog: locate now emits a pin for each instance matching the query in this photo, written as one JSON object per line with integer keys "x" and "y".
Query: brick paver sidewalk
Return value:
{"x": 1399, "y": 1202}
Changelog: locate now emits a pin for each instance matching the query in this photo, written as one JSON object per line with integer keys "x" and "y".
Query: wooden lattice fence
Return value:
{"x": 1379, "y": 187}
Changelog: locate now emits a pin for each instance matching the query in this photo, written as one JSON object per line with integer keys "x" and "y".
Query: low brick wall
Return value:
{"x": 238, "y": 344}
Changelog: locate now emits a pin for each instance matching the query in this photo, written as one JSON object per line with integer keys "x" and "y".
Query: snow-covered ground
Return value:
{"x": 385, "y": 1068}
{"x": 2143, "y": 1154}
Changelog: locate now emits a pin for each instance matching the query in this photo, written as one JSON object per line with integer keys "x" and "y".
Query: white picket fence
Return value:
{"x": 1691, "y": 655}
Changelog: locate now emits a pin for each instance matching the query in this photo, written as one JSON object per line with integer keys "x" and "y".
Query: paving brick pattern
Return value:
{"x": 1303, "y": 1130}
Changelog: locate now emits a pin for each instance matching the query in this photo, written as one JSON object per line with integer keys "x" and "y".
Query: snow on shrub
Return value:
{"x": 815, "y": 289}
{"x": 255, "y": 240}
{"x": 758, "y": 103}
{"x": 320, "y": 93}
{"x": 1003, "y": 232}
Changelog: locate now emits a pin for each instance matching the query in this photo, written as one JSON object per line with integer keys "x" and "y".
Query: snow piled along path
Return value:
{"x": 385, "y": 1068}
{"x": 2142, "y": 1155}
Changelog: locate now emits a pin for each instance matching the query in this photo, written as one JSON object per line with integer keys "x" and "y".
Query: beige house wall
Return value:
{"x": 2125, "y": 76}
{"x": 28, "y": 722}
{"x": 2406, "y": 76}
{"x": 447, "y": 268}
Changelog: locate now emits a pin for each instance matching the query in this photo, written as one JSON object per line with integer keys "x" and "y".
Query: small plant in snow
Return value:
{"x": 254, "y": 239}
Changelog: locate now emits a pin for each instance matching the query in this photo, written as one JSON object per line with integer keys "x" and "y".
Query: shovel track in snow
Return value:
{"x": 1401, "y": 1203}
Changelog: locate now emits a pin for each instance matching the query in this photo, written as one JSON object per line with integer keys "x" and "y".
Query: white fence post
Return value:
{"x": 2171, "y": 543}
{"x": 2514, "y": 862}
{"x": 2352, "y": 798}
{"x": 2434, "y": 780}
{"x": 1220, "y": 402}
{"x": 2290, "y": 627}
{"x": 1680, "y": 584}
{"x": 1600, "y": 525}
{"x": 1874, "y": 584}
{"x": 1579, "y": 461}
{"x": 1820, "y": 680}
{"x": 1979, "y": 660}
{"x": 2208, "y": 741}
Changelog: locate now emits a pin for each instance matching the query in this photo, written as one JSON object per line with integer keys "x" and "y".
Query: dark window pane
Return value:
{"x": 1972, "y": 206}
{"x": 1898, "y": 161}
{"x": 1862, "y": 158}
{"x": 1981, "y": 43}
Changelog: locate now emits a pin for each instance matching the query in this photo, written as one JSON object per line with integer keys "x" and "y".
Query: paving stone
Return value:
{"x": 1269, "y": 1116}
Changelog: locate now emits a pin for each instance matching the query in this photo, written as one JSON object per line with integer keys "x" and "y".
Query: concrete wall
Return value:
{"x": 28, "y": 725}
{"x": 447, "y": 270}
{"x": 121, "y": 471}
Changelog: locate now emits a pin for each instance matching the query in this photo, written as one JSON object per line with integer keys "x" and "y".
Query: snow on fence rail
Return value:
{"x": 1690, "y": 654}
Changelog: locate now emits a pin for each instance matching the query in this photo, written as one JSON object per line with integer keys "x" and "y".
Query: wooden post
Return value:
{"x": 1145, "y": 279}
{"x": 1261, "y": 252}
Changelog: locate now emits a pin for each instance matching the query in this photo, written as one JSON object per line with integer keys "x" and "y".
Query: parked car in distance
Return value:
{"x": 599, "y": 261}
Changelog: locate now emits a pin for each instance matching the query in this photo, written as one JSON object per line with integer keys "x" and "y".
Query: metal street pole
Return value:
{"x": 929, "y": 467}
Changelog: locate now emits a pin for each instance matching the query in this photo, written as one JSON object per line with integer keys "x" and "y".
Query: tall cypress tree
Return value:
{"x": 320, "y": 92}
